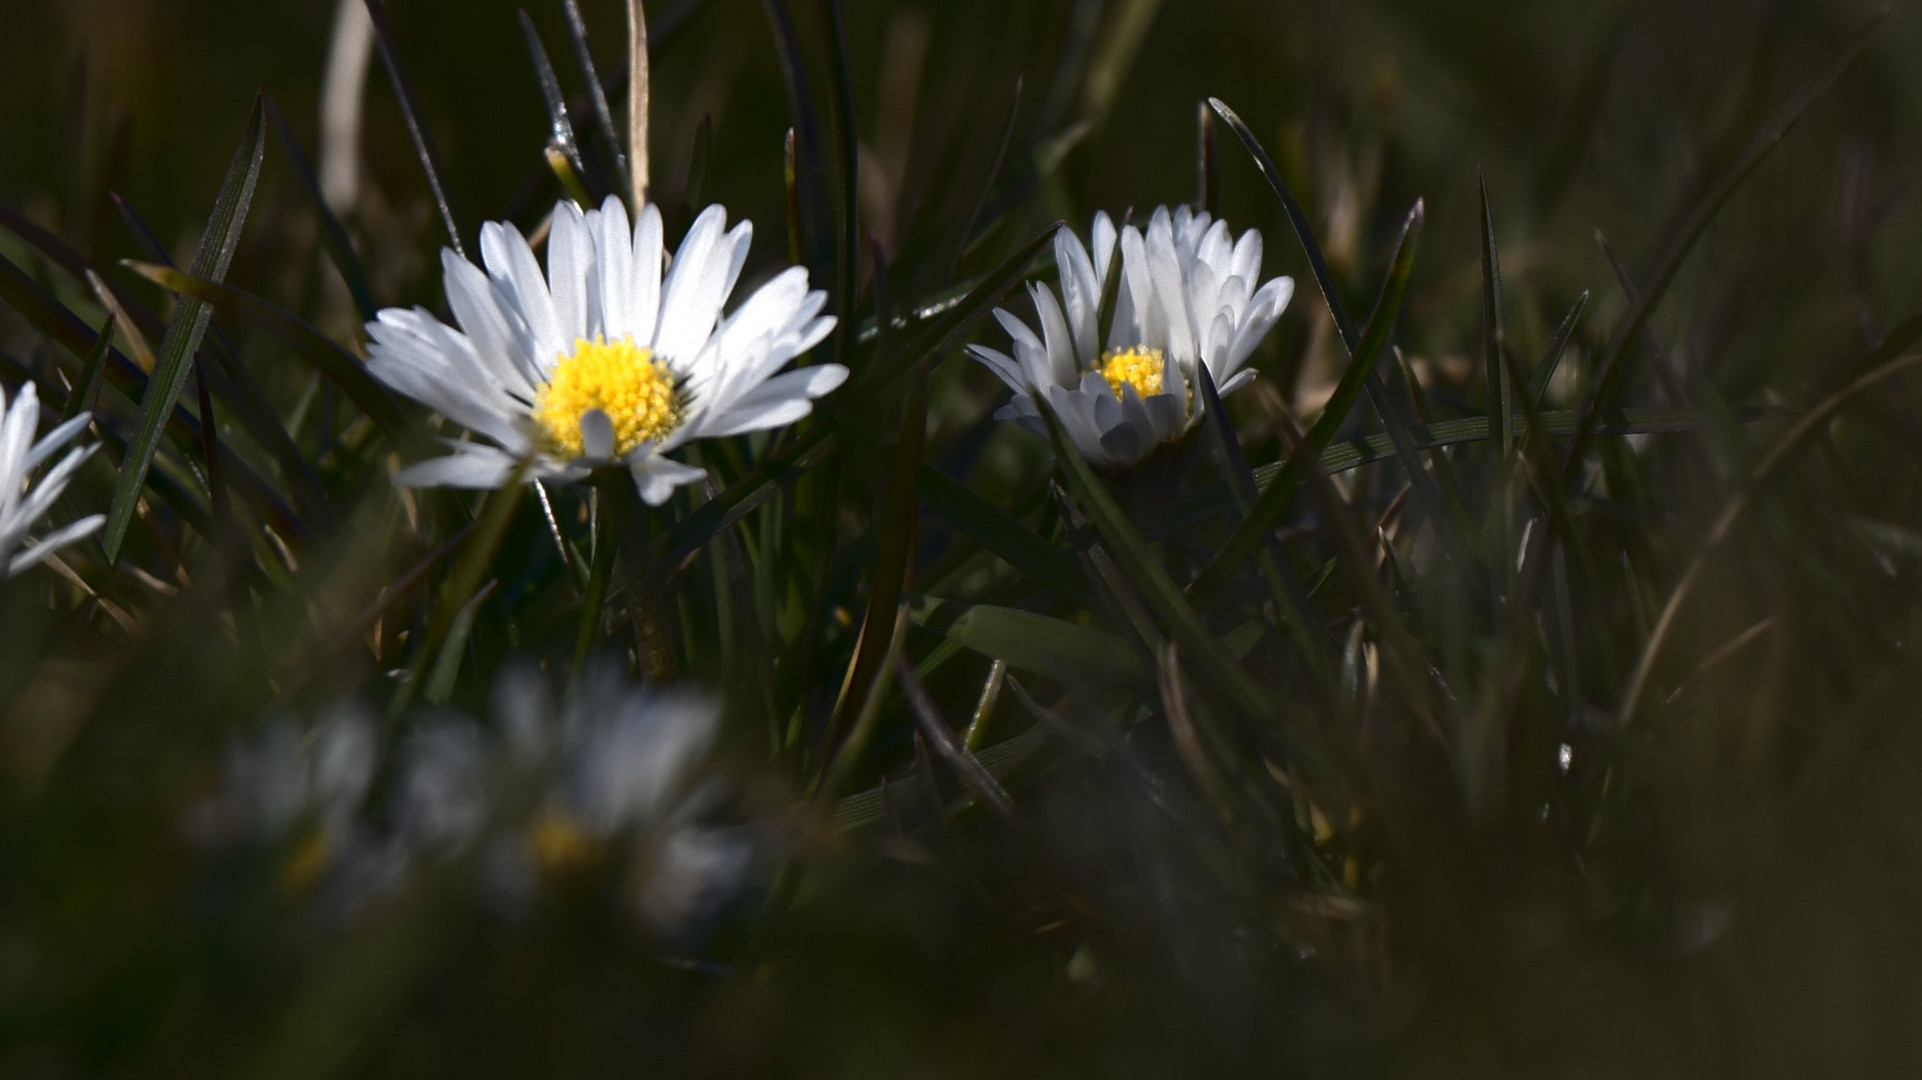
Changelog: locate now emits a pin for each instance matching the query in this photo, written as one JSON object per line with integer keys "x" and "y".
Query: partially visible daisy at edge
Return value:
{"x": 603, "y": 360}
{"x": 1187, "y": 298}
{"x": 22, "y": 503}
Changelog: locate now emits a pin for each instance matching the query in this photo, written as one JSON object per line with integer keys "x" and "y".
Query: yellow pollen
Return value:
{"x": 621, "y": 379}
{"x": 1137, "y": 366}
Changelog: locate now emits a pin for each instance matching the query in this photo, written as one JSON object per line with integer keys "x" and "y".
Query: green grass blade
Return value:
{"x": 189, "y": 325}
{"x": 610, "y": 140}
{"x": 847, "y": 238}
{"x": 88, "y": 386}
{"x": 561, "y": 126}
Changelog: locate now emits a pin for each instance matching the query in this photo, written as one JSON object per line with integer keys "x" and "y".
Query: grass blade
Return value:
{"x": 189, "y": 325}
{"x": 562, "y": 127}
{"x": 1000, "y": 533}
{"x": 1670, "y": 262}
{"x": 1273, "y": 503}
{"x": 1494, "y": 332}
{"x": 1552, "y": 359}
{"x": 411, "y": 112}
{"x": 88, "y": 386}
{"x": 848, "y": 237}
{"x": 596, "y": 94}
{"x": 1042, "y": 644}
{"x": 333, "y": 235}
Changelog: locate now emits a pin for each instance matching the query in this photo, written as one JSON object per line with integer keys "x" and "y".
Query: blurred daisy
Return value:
{"x": 22, "y": 503}
{"x": 603, "y": 360}
{"x": 1186, "y": 297}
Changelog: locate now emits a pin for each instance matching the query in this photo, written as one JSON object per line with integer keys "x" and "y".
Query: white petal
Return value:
{"x": 510, "y": 262}
{"x": 1171, "y": 294}
{"x": 1102, "y": 238}
{"x": 1080, "y": 295}
{"x": 614, "y": 261}
{"x": 1001, "y": 364}
{"x": 1246, "y": 262}
{"x": 692, "y": 294}
{"x": 500, "y": 337}
{"x": 57, "y": 438}
{"x": 1150, "y": 314}
{"x": 597, "y": 435}
{"x": 570, "y": 275}
{"x": 1054, "y": 330}
{"x": 54, "y": 541}
{"x": 1264, "y": 308}
{"x": 471, "y": 465}
{"x": 780, "y": 400}
{"x": 656, "y": 477}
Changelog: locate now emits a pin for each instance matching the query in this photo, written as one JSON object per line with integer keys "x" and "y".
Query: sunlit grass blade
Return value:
{"x": 935, "y": 729}
{"x": 560, "y": 125}
{"x": 416, "y": 128}
{"x": 189, "y": 325}
{"x": 610, "y": 140}
{"x": 1609, "y": 365}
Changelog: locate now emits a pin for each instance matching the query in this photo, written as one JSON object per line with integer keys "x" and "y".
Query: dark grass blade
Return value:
{"x": 327, "y": 355}
{"x": 87, "y": 388}
{"x": 1000, "y": 533}
{"x": 189, "y": 325}
{"x": 1552, "y": 359}
{"x": 333, "y": 235}
{"x": 848, "y": 237}
{"x": 965, "y": 236}
{"x": 1207, "y": 160}
{"x": 947, "y": 331}
{"x": 935, "y": 729}
{"x": 1443, "y": 509}
{"x": 1267, "y": 510}
{"x": 1184, "y": 624}
{"x": 715, "y": 516}
{"x": 1764, "y": 141}
{"x": 895, "y": 533}
{"x": 561, "y": 126}
{"x": 1494, "y": 331}
{"x": 610, "y": 140}
{"x": 810, "y": 185}
{"x": 1290, "y": 602}
{"x": 410, "y": 110}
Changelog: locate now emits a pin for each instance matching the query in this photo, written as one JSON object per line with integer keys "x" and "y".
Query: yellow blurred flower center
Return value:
{"x": 620, "y": 378}
{"x": 558, "y": 844}
{"x": 1137, "y": 366}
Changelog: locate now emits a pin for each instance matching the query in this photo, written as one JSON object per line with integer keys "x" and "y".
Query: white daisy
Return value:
{"x": 603, "y": 360}
{"x": 21, "y": 503}
{"x": 1187, "y": 296}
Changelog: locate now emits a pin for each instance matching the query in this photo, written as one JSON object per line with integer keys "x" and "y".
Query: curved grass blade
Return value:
{"x": 946, "y": 332}
{"x": 717, "y": 515}
{"x": 1273, "y": 502}
{"x": 935, "y": 729}
{"x": 327, "y": 355}
{"x": 333, "y": 235}
{"x": 810, "y": 192}
{"x": 411, "y": 112}
{"x": 440, "y": 683}
{"x": 1670, "y": 262}
{"x": 189, "y": 325}
{"x": 1552, "y": 359}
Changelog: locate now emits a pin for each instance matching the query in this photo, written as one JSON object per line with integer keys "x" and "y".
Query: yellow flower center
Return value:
{"x": 620, "y": 378}
{"x": 1137, "y": 366}
{"x": 558, "y": 844}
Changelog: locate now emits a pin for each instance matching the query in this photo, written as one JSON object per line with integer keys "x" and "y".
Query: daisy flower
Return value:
{"x": 604, "y": 360}
{"x": 22, "y": 503}
{"x": 1186, "y": 297}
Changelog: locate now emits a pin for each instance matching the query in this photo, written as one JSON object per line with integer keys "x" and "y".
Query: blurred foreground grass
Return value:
{"x": 1589, "y": 751}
